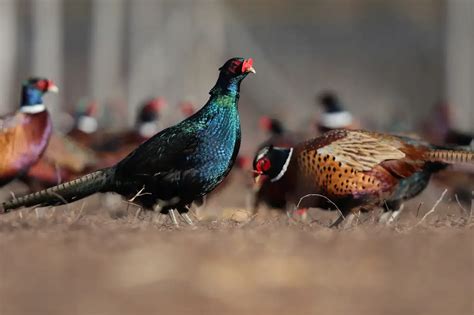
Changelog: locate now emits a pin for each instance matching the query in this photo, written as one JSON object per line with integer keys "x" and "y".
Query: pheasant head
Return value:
{"x": 32, "y": 93}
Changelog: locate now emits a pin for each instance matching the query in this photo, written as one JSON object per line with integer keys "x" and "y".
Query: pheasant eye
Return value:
{"x": 263, "y": 165}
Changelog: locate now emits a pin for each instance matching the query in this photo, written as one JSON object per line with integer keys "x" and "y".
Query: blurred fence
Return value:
{"x": 386, "y": 59}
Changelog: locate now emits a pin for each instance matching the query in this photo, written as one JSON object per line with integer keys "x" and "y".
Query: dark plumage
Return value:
{"x": 24, "y": 135}
{"x": 355, "y": 168}
{"x": 176, "y": 166}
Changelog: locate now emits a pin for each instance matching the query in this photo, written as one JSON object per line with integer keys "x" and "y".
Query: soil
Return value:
{"x": 87, "y": 258}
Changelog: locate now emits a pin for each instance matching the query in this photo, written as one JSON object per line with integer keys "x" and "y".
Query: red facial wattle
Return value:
{"x": 42, "y": 85}
{"x": 46, "y": 85}
{"x": 247, "y": 65}
{"x": 157, "y": 104}
{"x": 91, "y": 109}
{"x": 263, "y": 165}
{"x": 265, "y": 123}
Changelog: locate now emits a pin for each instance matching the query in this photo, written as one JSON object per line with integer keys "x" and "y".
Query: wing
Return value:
{"x": 358, "y": 162}
{"x": 66, "y": 154}
{"x": 362, "y": 151}
{"x": 9, "y": 129}
{"x": 165, "y": 152}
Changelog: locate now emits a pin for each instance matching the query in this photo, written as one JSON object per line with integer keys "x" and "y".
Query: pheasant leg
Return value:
{"x": 172, "y": 215}
{"x": 187, "y": 218}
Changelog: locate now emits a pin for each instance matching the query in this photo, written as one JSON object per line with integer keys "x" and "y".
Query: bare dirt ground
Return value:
{"x": 85, "y": 259}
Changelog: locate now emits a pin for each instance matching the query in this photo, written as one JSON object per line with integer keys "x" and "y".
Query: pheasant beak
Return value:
{"x": 247, "y": 66}
{"x": 52, "y": 87}
{"x": 251, "y": 69}
{"x": 259, "y": 179}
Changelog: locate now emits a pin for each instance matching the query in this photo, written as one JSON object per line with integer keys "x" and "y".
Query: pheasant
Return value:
{"x": 64, "y": 159}
{"x": 24, "y": 135}
{"x": 355, "y": 169}
{"x": 119, "y": 145}
{"x": 334, "y": 115}
{"x": 177, "y": 165}
{"x": 86, "y": 126}
{"x": 273, "y": 193}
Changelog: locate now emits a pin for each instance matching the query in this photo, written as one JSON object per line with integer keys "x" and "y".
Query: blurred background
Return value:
{"x": 390, "y": 61}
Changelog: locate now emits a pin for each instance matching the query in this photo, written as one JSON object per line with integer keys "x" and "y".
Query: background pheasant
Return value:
{"x": 355, "y": 169}
{"x": 64, "y": 159}
{"x": 24, "y": 135}
{"x": 176, "y": 166}
{"x": 334, "y": 116}
{"x": 116, "y": 146}
{"x": 86, "y": 126}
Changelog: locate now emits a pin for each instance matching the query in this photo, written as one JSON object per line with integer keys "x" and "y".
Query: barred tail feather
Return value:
{"x": 64, "y": 193}
{"x": 451, "y": 156}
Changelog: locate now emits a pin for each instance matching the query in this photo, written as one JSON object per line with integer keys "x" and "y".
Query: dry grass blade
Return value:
{"x": 79, "y": 215}
{"x": 138, "y": 194}
{"x": 432, "y": 209}
{"x": 460, "y": 205}
{"x": 324, "y": 197}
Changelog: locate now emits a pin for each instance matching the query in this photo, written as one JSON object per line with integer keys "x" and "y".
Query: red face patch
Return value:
{"x": 263, "y": 165}
{"x": 156, "y": 104}
{"x": 265, "y": 123}
{"x": 91, "y": 109}
{"x": 246, "y": 65}
{"x": 42, "y": 85}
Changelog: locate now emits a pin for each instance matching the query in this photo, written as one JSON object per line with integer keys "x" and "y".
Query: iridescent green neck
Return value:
{"x": 225, "y": 85}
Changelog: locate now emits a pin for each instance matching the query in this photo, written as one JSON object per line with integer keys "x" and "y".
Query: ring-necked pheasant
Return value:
{"x": 334, "y": 115}
{"x": 24, "y": 135}
{"x": 86, "y": 126}
{"x": 273, "y": 193}
{"x": 176, "y": 166}
{"x": 355, "y": 169}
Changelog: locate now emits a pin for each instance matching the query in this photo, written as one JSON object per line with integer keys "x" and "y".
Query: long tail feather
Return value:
{"x": 451, "y": 156}
{"x": 66, "y": 192}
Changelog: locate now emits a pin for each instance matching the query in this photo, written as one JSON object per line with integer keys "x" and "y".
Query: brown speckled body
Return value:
{"x": 23, "y": 139}
{"x": 359, "y": 168}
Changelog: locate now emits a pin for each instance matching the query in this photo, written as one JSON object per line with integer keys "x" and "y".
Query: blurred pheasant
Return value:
{"x": 355, "y": 169}
{"x": 187, "y": 108}
{"x": 24, "y": 135}
{"x": 64, "y": 159}
{"x": 86, "y": 126}
{"x": 176, "y": 166}
{"x": 439, "y": 128}
{"x": 67, "y": 156}
{"x": 119, "y": 145}
{"x": 334, "y": 115}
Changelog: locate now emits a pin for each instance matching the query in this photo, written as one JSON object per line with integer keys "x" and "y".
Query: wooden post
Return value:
{"x": 106, "y": 77}
{"x": 460, "y": 63}
{"x": 47, "y": 54}
{"x": 8, "y": 34}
